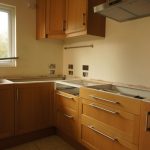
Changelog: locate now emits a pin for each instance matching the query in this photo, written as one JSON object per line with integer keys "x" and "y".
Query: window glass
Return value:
{"x": 7, "y": 35}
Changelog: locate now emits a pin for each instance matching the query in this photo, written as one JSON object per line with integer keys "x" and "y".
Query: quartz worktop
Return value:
{"x": 133, "y": 91}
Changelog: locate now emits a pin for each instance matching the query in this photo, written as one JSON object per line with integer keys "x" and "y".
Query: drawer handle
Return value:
{"x": 106, "y": 100}
{"x": 109, "y": 111}
{"x": 68, "y": 116}
{"x": 65, "y": 96}
{"x": 103, "y": 134}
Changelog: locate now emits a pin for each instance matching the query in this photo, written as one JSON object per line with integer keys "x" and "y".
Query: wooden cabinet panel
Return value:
{"x": 40, "y": 19}
{"x": 81, "y": 19}
{"x": 55, "y": 18}
{"x": 97, "y": 140}
{"x": 115, "y": 101}
{"x": 66, "y": 110}
{"x": 45, "y": 105}
{"x": 67, "y": 122}
{"x": 6, "y": 111}
{"x": 32, "y": 107}
{"x": 96, "y": 136}
{"x": 64, "y": 100}
{"x": 145, "y": 126}
{"x": 76, "y": 16}
{"x": 67, "y": 18}
{"x": 123, "y": 123}
{"x": 50, "y": 19}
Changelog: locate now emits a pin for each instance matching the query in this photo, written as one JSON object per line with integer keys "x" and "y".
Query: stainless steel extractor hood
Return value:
{"x": 124, "y": 10}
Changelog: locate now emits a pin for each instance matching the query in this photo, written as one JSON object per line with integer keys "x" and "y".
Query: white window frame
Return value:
{"x": 11, "y": 10}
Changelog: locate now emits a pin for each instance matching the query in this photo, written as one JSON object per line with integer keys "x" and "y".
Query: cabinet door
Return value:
{"x": 40, "y": 19}
{"x": 33, "y": 108}
{"x": 145, "y": 126}
{"x": 6, "y": 111}
{"x": 45, "y": 105}
{"x": 76, "y": 16}
{"x": 55, "y": 18}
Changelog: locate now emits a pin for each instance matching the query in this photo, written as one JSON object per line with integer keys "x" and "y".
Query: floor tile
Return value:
{"x": 52, "y": 143}
{"x": 48, "y": 143}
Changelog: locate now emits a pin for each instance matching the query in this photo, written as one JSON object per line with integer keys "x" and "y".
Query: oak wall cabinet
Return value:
{"x": 6, "y": 111}
{"x": 81, "y": 19}
{"x": 50, "y": 19}
{"x": 59, "y": 19}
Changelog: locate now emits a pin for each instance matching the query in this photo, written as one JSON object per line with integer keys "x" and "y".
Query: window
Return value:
{"x": 7, "y": 35}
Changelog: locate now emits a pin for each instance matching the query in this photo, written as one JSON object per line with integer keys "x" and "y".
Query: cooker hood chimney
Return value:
{"x": 124, "y": 10}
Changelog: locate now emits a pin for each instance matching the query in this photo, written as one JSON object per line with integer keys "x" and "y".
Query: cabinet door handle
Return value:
{"x": 103, "y": 134}
{"x": 103, "y": 99}
{"x": 68, "y": 116}
{"x": 84, "y": 19}
{"x": 109, "y": 111}
{"x": 17, "y": 94}
{"x": 68, "y": 97}
{"x": 64, "y": 25}
{"x": 148, "y": 122}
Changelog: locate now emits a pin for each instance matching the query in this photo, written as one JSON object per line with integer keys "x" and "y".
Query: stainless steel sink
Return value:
{"x": 126, "y": 91}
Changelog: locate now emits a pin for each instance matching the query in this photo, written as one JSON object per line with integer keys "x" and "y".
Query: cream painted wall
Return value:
{"x": 35, "y": 56}
{"x": 122, "y": 56}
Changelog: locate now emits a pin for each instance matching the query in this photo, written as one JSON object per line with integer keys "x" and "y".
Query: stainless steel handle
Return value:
{"x": 103, "y": 99}
{"x": 17, "y": 94}
{"x": 66, "y": 96}
{"x": 68, "y": 116}
{"x": 103, "y": 134}
{"x": 148, "y": 122}
{"x": 109, "y": 111}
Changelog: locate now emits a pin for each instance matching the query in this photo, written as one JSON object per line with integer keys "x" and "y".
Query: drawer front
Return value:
{"x": 67, "y": 122}
{"x": 97, "y": 138}
{"x": 126, "y": 124}
{"x": 64, "y": 100}
{"x": 115, "y": 101}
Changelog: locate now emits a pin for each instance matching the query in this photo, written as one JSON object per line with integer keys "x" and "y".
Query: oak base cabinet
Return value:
{"x": 67, "y": 120}
{"x": 33, "y": 107}
{"x": 145, "y": 126}
{"x": 107, "y": 121}
{"x": 6, "y": 111}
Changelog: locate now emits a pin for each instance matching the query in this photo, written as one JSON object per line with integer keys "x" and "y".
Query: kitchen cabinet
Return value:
{"x": 59, "y": 19}
{"x": 145, "y": 126}
{"x": 67, "y": 120}
{"x": 108, "y": 121}
{"x": 33, "y": 107}
{"x": 50, "y": 19}
{"x": 81, "y": 19}
{"x": 6, "y": 111}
